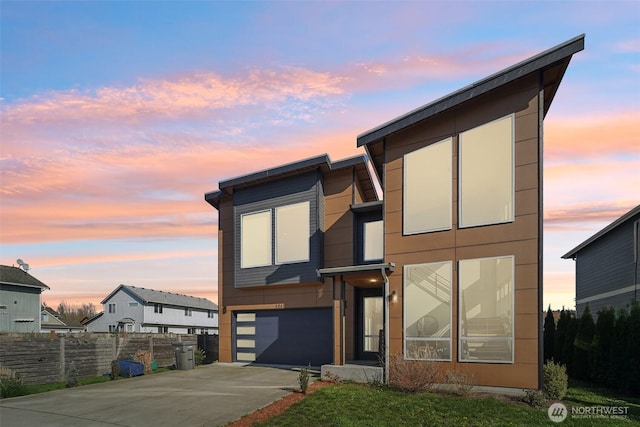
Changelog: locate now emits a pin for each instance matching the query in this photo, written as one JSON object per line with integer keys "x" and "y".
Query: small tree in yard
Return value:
{"x": 303, "y": 379}
{"x": 560, "y": 337}
{"x": 549, "y": 335}
{"x": 556, "y": 381}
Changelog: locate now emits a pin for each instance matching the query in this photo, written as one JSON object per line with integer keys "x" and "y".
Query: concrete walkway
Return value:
{"x": 210, "y": 395}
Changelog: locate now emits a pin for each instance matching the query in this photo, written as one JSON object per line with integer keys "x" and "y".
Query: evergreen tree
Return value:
{"x": 567, "y": 351}
{"x": 633, "y": 348}
{"x": 582, "y": 345}
{"x": 618, "y": 372}
{"x": 602, "y": 341}
{"x": 549, "y": 335}
{"x": 561, "y": 332}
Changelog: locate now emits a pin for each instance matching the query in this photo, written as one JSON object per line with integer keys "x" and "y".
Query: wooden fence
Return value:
{"x": 44, "y": 358}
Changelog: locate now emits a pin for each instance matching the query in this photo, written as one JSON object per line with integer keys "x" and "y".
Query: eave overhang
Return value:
{"x": 323, "y": 162}
{"x": 365, "y": 275}
{"x": 573, "y": 253}
{"x": 552, "y": 63}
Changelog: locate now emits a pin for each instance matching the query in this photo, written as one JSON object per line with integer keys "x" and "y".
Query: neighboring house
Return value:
{"x": 133, "y": 309}
{"x": 50, "y": 321}
{"x": 19, "y": 300}
{"x": 313, "y": 268}
{"x": 607, "y": 263}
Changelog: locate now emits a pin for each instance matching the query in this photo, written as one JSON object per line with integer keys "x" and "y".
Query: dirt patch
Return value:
{"x": 277, "y": 407}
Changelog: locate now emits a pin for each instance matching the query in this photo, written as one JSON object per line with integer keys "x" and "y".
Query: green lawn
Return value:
{"x": 358, "y": 405}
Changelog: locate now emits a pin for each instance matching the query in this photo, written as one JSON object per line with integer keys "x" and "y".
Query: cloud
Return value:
{"x": 568, "y": 138}
{"x": 188, "y": 97}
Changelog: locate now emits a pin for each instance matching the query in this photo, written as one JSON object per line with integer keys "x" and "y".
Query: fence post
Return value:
{"x": 62, "y": 357}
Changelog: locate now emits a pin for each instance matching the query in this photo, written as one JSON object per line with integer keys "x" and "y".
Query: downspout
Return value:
{"x": 386, "y": 325}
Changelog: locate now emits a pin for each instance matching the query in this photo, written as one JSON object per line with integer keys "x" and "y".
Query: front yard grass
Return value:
{"x": 360, "y": 405}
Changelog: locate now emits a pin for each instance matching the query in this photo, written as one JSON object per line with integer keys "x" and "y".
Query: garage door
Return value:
{"x": 284, "y": 337}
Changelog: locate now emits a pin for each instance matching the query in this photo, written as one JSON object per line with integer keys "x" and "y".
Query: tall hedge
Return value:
{"x": 549, "y": 335}
{"x": 582, "y": 345}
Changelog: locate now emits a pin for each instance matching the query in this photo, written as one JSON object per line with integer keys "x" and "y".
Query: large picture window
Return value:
{"x": 486, "y": 173}
{"x": 427, "y": 188}
{"x": 292, "y": 233}
{"x": 427, "y": 311}
{"x": 255, "y": 239}
{"x": 486, "y": 309}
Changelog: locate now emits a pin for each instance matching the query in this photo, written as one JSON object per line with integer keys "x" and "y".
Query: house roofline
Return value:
{"x": 467, "y": 93}
{"x": 226, "y": 186}
{"x": 573, "y": 253}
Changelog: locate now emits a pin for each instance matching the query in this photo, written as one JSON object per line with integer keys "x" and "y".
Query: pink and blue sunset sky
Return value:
{"x": 117, "y": 117}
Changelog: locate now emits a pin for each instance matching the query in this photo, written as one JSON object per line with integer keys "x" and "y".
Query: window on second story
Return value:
{"x": 211, "y": 314}
{"x": 255, "y": 239}
{"x": 427, "y": 188}
{"x": 187, "y": 311}
{"x": 291, "y": 240}
{"x": 112, "y": 308}
{"x": 373, "y": 240}
{"x": 157, "y": 308}
{"x": 486, "y": 170}
{"x": 292, "y": 233}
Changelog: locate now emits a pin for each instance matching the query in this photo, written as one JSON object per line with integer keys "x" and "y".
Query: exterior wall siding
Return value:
{"x": 334, "y": 194}
{"x": 607, "y": 265}
{"x": 518, "y": 238}
{"x": 301, "y": 188}
{"x": 20, "y": 311}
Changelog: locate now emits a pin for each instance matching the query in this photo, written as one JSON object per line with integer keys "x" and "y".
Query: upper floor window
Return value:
{"x": 486, "y": 173}
{"x": 291, "y": 236}
{"x": 373, "y": 240}
{"x": 210, "y": 314}
{"x": 133, "y": 304}
{"x": 292, "y": 233}
{"x": 427, "y": 188}
{"x": 255, "y": 239}
{"x": 157, "y": 308}
{"x": 187, "y": 311}
{"x": 112, "y": 308}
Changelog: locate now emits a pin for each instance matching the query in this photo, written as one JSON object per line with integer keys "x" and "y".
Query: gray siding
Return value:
{"x": 301, "y": 188}
{"x": 19, "y": 308}
{"x": 607, "y": 265}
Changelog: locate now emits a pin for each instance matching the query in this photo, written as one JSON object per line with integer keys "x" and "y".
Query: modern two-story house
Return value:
{"x": 445, "y": 268}
{"x": 607, "y": 265}
{"x": 134, "y": 309}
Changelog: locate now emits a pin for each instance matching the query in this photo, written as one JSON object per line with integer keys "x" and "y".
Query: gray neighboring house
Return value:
{"x": 607, "y": 267}
{"x": 19, "y": 300}
{"x": 134, "y": 309}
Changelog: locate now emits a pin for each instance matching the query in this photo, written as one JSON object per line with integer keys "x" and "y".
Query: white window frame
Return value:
{"x": 404, "y": 316}
{"x": 425, "y": 177}
{"x": 243, "y": 244}
{"x": 464, "y": 222}
{"x": 111, "y": 308}
{"x": 305, "y": 254}
{"x": 513, "y": 318}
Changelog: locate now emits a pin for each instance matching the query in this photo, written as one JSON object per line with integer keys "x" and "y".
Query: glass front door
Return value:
{"x": 369, "y": 323}
{"x": 372, "y": 321}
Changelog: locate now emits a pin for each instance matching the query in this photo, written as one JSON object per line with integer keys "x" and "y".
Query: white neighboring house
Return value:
{"x": 132, "y": 309}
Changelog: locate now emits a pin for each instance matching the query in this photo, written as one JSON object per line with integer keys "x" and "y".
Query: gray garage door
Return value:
{"x": 284, "y": 337}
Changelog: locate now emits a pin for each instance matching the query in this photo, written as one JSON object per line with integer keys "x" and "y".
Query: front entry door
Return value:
{"x": 370, "y": 323}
